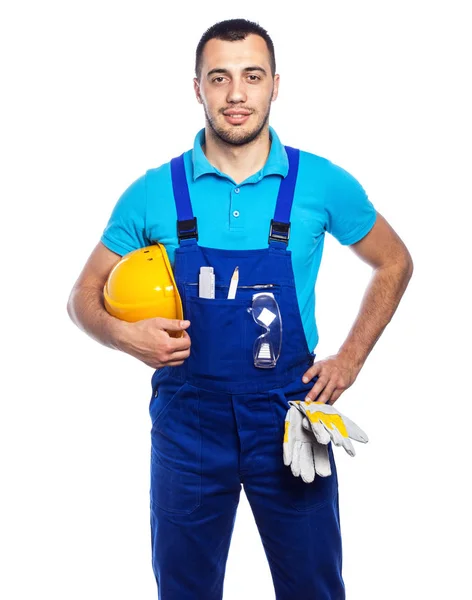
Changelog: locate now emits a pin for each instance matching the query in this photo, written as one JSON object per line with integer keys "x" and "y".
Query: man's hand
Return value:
{"x": 156, "y": 342}
{"x": 150, "y": 341}
{"x": 335, "y": 374}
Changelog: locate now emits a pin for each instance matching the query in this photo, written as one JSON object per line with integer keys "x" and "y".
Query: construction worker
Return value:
{"x": 242, "y": 219}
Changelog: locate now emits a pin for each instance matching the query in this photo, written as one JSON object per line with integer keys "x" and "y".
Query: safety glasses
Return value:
{"x": 267, "y": 346}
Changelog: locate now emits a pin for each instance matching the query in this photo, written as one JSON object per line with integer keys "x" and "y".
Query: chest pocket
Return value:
{"x": 222, "y": 331}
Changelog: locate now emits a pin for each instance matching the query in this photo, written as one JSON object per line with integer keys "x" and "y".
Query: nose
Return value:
{"x": 236, "y": 92}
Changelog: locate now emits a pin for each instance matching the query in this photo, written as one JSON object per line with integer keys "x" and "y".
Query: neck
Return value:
{"x": 239, "y": 162}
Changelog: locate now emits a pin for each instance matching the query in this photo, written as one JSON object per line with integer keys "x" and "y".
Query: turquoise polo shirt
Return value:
{"x": 237, "y": 216}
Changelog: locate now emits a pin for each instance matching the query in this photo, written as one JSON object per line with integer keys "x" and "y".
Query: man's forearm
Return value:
{"x": 87, "y": 311}
{"x": 378, "y": 306}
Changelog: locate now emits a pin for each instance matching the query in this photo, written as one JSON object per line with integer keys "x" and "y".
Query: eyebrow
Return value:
{"x": 246, "y": 70}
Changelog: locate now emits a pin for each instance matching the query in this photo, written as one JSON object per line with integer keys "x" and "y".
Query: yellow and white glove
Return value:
{"x": 301, "y": 450}
{"x": 329, "y": 425}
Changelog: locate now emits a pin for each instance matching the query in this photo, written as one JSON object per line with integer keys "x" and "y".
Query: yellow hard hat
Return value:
{"x": 142, "y": 286}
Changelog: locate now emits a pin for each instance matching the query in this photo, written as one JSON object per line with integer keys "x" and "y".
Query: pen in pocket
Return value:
{"x": 234, "y": 284}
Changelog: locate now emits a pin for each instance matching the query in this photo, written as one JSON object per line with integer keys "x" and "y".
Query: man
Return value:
{"x": 217, "y": 419}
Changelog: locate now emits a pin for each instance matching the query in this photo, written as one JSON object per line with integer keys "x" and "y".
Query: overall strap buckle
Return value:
{"x": 187, "y": 229}
{"x": 279, "y": 232}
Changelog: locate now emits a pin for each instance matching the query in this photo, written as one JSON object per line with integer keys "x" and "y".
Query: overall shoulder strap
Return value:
{"x": 186, "y": 222}
{"x": 280, "y": 225}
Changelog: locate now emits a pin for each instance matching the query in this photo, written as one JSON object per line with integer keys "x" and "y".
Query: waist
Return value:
{"x": 239, "y": 381}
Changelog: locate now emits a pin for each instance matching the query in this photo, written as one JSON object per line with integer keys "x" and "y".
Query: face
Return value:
{"x": 236, "y": 88}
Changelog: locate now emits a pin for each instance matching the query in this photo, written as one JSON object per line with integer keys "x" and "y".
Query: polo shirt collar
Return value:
{"x": 276, "y": 164}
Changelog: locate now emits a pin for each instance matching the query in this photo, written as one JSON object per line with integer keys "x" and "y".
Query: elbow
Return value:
{"x": 70, "y": 307}
{"x": 400, "y": 267}
{"x": 404, "y": 268}
{"x": 408, "y": 266}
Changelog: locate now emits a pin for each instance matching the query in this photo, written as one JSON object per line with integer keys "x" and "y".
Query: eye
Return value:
{"x": 253, "y": 77}
{"x": 218, "y": 79}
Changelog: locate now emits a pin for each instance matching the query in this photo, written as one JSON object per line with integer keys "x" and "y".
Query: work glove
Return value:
{"x": 301, "y": 450}
{"x": 329, "y": 425}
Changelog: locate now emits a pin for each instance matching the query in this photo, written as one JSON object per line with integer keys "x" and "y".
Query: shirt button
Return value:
{"x": 236, "y": 213}
{"x": 236, "y": 190}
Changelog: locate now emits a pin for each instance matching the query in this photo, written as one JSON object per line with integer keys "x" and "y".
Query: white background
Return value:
{"x": 95, "y": 93}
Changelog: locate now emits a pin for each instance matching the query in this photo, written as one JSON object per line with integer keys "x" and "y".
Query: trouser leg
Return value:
{"x": 301, "y": 535}
{"x": 189, "y": 552}
{"x": 298, "y": 522}
{"x": 195, "y": 491}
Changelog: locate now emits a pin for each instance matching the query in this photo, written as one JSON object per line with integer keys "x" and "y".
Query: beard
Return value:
{"x": 236, "y": 136}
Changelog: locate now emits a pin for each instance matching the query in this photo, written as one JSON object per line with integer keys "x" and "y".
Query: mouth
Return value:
{"x": 235, "y": 117}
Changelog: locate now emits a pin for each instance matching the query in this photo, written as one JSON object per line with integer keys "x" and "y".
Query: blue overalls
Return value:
{"x": 218, "y": 422}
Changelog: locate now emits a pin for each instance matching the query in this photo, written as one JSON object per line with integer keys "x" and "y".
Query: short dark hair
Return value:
{"x": 232, "y": 30}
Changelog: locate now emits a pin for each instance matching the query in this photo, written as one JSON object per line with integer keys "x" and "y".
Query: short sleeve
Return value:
{"x": 351, "y": 215}
{"x": 125, "y": 230}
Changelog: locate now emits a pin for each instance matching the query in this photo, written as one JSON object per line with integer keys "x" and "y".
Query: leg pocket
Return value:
{"x": 174, "y": 491}
{"x": 162, "y": 396}
{"x": 318, "y": 493}
{"x": 176, "y": 453}
{"x": 300, "y": 495}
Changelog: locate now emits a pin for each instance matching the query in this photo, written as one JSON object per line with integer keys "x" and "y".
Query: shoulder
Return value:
{"x": 314, "y": 164}
{"x": 162, "y": 173}
{"x": 317, "y": 173}
{"x": 349, "y": 214}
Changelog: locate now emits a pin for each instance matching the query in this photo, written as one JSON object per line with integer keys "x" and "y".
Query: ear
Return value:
{"x": 275, "y": 91}
{"x": 196, "y": 87}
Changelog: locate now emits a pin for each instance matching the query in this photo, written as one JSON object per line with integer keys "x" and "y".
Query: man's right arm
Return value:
{"x": 147, "y": 340}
